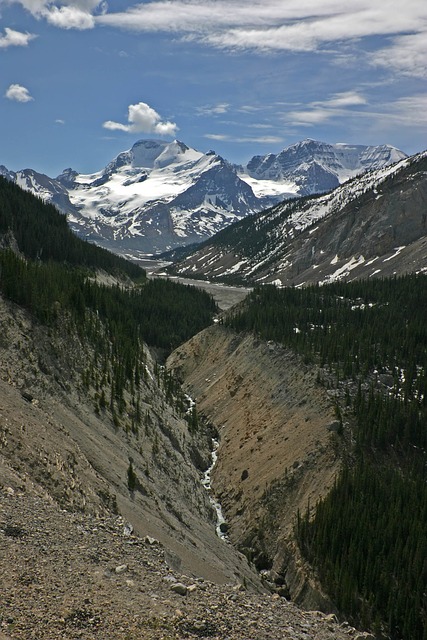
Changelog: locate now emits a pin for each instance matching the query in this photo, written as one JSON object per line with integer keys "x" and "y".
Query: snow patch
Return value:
{"x": 344, "y": 271}
{"x": 397, "y": 251}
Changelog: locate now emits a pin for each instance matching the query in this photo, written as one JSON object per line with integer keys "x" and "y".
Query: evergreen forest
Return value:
{"x": 368, "y": 538}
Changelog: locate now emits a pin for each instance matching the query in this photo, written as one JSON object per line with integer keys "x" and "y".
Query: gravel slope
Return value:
{"x": 68, "y": 575}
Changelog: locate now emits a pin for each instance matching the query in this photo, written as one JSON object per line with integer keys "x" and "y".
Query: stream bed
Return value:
{"x": 206, "y": 482}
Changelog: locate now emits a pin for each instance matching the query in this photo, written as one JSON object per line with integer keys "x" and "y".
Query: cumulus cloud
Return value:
{"x": 143, "y": 119}
{"x": 69, "y": 18}
{"x": 18, "y": 93}
{"x": 14, "y": 38}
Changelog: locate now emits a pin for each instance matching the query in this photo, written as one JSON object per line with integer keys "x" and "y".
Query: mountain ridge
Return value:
{"x": 158, "y": 195}
{"x": 371, "y": 225}
{"x": 340, "y": 161}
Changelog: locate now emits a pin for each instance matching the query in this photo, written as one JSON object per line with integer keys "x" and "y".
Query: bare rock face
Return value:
{"x": 277, "y": 454}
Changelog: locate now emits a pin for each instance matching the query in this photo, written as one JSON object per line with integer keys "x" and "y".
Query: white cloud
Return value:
{"x": 217, "y": 109}
{"x": 344, "y": 99}
{"x": 244, "y": 139}
{"x": 407, "y": 55}
{"x": 143, "y": 119}
{"x": 410, "y": 111}
{"x": 69, "y": 18}
{"x": 33, "y": 6}
{"x": 59, "y": 121}
{"x": 322, "y": 111}
{"x": 259, "y": 125}
{"x": 309, "y": 117}
{"x": 263, "y": 25}
{"x": 65, "y": 14}
{"x": 14, "y": 38}
{"x": 217, "y": 136}
{"x": 294, "y": 25}
{"x": 251, "y": 108}
{"x": 396, "y": 121}
{"x": 18, "y": 93}
{"x": 385, "y": 120}
{"x": 37, "y": 7}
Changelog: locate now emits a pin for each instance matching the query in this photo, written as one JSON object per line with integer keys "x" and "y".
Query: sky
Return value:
{"x": 83, "y": 80}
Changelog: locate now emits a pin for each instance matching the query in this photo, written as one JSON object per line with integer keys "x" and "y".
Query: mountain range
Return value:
{"x": 374, "y": 224}
{"x": 159, "y": 195}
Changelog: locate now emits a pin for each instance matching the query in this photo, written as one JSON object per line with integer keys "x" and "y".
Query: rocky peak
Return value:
{"x": 9, "y": 175}
{"x": 67, "y": 178}
{"x": 145, "y": 152}
{"x": 337, "y": 163}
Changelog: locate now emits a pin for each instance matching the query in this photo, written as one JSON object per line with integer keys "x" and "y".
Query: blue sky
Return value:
{"x": 82, "y": 80}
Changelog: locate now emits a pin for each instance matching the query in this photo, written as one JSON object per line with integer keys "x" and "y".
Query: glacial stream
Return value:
{"x": 206, "y": 482}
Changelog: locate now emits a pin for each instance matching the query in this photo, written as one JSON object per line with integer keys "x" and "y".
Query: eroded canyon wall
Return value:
{"x": 279, "y": 450}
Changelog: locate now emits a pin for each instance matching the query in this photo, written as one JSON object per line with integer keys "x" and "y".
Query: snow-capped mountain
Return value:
{"x": 160, "y": 195}
{"x": 372, "y": 225}
{"x": 157, "y": 195}
{"x": 310, "y": 166}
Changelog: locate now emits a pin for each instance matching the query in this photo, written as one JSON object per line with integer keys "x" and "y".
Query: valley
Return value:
{"x": 276, "y": 453}
{"x": 225, "y": 296}
{"x": 85, "y": 554}
{"x": 115, "y": 382}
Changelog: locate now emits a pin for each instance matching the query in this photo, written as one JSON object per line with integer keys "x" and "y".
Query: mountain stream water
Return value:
{"x": 206, "y": 482}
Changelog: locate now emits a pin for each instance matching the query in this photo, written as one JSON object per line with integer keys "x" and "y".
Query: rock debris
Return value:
{"x": 69, "y": 575}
